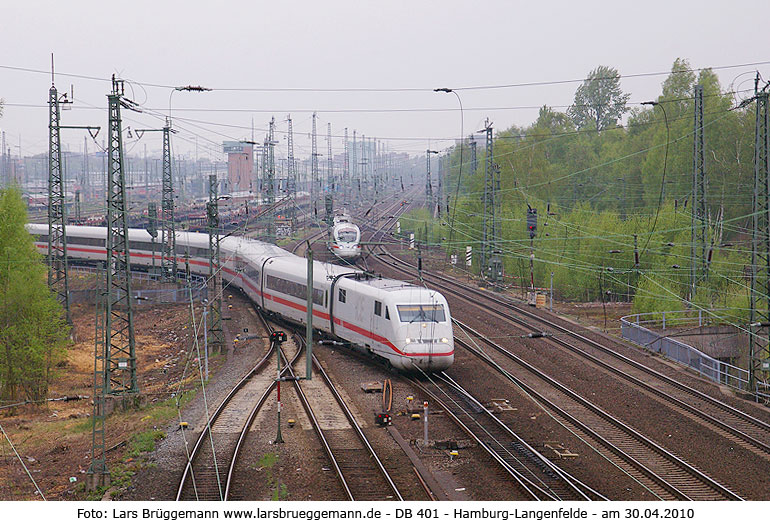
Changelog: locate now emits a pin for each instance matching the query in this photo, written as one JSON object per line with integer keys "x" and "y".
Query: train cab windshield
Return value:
{"x": 347, "y": 235}
{"x": 421, "y": 313}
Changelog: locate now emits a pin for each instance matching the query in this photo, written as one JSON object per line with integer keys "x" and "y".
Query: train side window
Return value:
{"x": 377, "y": 308}
{"x": 342, "y": 295}
{"x": 387, "y": 313}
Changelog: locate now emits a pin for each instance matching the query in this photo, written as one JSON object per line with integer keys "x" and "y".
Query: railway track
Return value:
{"x": 664, "y": 474}
{"x": 360, "y": 471}
{"x": 536, "y": 477}
{"x": 736, "y": 425}
{"x": 211, "y": 462}
{"x": 640, "y": 455}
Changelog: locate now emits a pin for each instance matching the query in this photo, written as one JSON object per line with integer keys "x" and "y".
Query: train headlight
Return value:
{"x": 408, "y": 340}
{"x": 444, "y": 340}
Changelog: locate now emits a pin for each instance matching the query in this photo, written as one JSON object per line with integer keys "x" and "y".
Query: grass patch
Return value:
{"x": 144, "y": 442}
{"x": 280, "y": 492}
{"x": 167, "y": 409}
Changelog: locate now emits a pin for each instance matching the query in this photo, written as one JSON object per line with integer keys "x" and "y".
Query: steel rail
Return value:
{"x": 641, "y": 439}
{"x": 687, "y": 407}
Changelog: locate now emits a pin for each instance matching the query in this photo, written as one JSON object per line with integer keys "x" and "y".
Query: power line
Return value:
{"x": 398, "y": 89}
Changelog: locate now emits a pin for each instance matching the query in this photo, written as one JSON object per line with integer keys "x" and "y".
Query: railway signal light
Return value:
{"x": 278, "y": 337}
{"x": 531, "y": 222}
{"x": 383, "y": 419}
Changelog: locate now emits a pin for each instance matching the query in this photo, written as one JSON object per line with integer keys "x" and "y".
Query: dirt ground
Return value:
{"x": 54, "y": 440}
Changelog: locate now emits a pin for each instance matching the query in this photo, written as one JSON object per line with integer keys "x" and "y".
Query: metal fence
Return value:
{"x": 632, "y": 329}
{"x": 197, "y": 289}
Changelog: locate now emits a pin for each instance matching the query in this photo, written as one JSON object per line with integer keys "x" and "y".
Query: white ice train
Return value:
{"x": 408, "y": 326}
{"x": 345, "y": 240}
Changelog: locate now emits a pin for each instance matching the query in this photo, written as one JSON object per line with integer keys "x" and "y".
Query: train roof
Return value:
{"x": 251, "y": 248}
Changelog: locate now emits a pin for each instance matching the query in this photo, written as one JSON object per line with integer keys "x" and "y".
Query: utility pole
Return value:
{"x": 215, "y": 265}
{"x": 264, "y": 156}
{"x": 364, "y": 181}
{"x": 354, "y": 164}
{"x": 474, "y": 162}
{"x": 429, "y": 181}
{"x": 443, "y": 163}
{"x": 77, "y": 206}
{"x": 346, "y": 171}
{"x": 152, "y": 229}
{"x": 489, "y": 206}
{"x": 168, "y": 227}
{"x": 84, "y": 179}
{"x": 377, "y": 167}
{"x": 373, "y": 160}
{"x": 146, "y": 175}
{"x": 58, "y": 280}
{"x": 330, "y": 184}
{"x": 120, "y": 354}
{"x": 759, "y": 312}
{"x": 98, "y": 474}
{"x": 270, "y": 182}
{"x": 291, "y": 182}
{"x": 168, "y": 262}
{"x": 699, "y": 231}
{"x": 496, "y": 260}
{"x": 313, "y": 167}
{"x": 6, "y": 177}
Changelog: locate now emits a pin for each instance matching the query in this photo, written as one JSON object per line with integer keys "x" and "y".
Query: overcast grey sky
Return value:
{"x": 345, "y": 45}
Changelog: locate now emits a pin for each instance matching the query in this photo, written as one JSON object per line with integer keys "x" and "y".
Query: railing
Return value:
{"x": 149, "y": 296}
{"x": 719, "y": 371}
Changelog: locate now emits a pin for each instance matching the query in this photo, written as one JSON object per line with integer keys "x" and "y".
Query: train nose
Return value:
{"x": 347, "y": 251}
{"x": 428, "y": 355}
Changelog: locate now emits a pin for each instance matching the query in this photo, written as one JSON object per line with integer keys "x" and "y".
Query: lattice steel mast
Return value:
{"x": 354, "y": 166}
{"x": 330, "y": 184}
{"x": 346, "y": 171}
{"x": 292, "y": 170}
{"x": 364, "y": 180}
{"x": 58, "y": 280}
{"x": 472, "y": 145}
{"x": 98, "y": 474}
{"x": 168, "y": 233}
{"x": 120, "y": 354}
{"x": 491, "y": 261}
{"x": 699, "y": 231}
{"x": 428, "y": 179}
{"x": 375, "y": 168}
{"x": 759, "y": 310}
{"x": 313, "y": 167}
{"x": 216, "y": 333}
{"x": 168, "y": 261}
{"x": 270, "y": 182}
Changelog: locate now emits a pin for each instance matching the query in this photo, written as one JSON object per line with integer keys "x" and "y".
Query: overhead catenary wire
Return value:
{"x": 18, "y": 456}
{"x": 390, "y": 89}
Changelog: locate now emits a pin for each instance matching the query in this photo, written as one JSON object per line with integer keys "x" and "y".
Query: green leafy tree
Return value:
{"x": 677, "y": 88}
{"x": 599, "y": 101}
{"x": 33, "y": 332}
